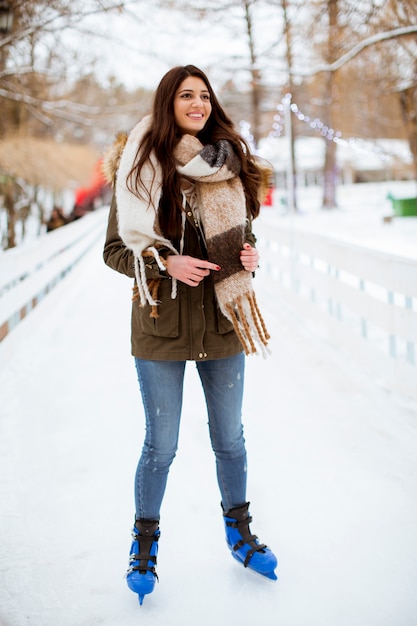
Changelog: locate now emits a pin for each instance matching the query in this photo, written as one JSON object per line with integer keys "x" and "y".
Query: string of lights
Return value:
{"x": 316, "y": 124}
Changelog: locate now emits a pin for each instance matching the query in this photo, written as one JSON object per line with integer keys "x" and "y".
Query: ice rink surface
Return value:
{"x": 332, "y": 479}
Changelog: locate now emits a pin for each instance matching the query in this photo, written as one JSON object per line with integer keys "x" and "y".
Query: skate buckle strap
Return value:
{"x": 142, "y": 568}
{"x": 247, "y": 539}
{"x": 234, "y": 523}
{"x": 137, "y": 536}
{"x": 142, "y": 571}
{"x": 143, "y": 557}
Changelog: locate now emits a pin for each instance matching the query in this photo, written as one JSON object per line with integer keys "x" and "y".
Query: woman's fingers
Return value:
{"x": 192, "y": 271}
{"x": 189, "y": 270}
{"x": 249, "y": 257}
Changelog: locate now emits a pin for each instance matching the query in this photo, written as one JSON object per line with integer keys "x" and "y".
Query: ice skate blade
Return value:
{"x": 141, "y": 587}
{"x": 270, "y": 575}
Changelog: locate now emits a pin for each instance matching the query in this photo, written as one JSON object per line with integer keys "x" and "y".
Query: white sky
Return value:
{"x": 138, "y": 51}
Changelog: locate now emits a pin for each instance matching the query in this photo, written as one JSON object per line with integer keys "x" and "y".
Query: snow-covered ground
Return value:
{"x": 332, "y": 477}
{"x": 359, "y": 217}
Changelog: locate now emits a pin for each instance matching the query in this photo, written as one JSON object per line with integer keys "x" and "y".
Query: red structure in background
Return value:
{"x": 95, "y": 194}
{"x": 268, "y": 200}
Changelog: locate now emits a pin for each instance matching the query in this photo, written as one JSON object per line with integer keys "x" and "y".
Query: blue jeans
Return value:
{"x": 161, "y": 384}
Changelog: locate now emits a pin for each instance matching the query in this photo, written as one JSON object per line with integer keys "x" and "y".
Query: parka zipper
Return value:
{"x": 203, "y": 249}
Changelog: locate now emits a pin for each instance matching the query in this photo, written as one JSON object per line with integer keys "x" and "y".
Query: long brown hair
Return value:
{"x": 164, "y": 135}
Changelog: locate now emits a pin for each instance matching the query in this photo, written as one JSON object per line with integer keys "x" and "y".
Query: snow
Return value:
{"x": 359, "y": 218}
{"x": 332, "y": 475}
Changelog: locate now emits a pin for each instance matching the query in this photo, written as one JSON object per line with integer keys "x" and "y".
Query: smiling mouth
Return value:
{"x": 196, "y": 116}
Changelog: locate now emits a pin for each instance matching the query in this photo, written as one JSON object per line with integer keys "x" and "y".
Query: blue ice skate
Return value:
{"x": 244, "y": 546}
{"x": 141, "y": 575}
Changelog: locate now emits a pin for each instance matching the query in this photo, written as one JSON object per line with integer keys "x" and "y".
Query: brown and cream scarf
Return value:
{"x": 222, "y": 206}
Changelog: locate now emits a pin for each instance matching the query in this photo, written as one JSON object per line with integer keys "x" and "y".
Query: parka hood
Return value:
{"x": 111, "y": 158}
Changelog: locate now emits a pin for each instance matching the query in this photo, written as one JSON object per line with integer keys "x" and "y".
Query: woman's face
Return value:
{"x": 192, "y": 105}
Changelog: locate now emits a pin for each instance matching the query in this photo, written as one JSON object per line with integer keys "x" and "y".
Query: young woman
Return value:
{"x": 186, "y": 191}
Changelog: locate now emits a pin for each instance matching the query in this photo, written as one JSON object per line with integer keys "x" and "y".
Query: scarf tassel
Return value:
{"x": 248, "y": 323}
{"x": 147, "y": 292}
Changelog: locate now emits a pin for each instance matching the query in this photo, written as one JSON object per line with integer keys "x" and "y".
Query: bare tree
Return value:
{"x": 34, "y": 71}
{"x": 331, "y": 99}
{"x": 291, "y": 87}
{"x": 360, "y": 62}
{"x": 405, "y": 54}
{"x": 255, "y": 71}
{"x": 408, "y": 101}
{"x": 35, "y": 64}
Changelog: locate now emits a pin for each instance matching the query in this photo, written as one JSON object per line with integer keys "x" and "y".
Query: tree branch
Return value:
{"x": 66, "y": 109}
{"x": 370, "y": 41}
{"x": 72, "y": 21}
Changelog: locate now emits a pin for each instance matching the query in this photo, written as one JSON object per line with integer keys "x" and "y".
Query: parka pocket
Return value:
{"x": 167, "y": 322}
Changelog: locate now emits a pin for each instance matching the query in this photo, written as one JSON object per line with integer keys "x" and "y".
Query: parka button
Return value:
{"x": 200, "y": 356}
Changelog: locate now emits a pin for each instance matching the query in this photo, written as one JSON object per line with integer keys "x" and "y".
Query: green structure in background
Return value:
{"x": 404, "y": 207}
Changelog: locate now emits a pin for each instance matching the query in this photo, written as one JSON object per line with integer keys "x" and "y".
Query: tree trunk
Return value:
{"x": 331, "y": 96}
{"x": 288, "y": 54}
{"x": 11, "y": 220}
{"x": 408, "y": 102}
{"x": 256, "y": 87}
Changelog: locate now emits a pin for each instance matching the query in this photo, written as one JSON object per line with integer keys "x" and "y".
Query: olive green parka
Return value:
{"x": 188, "y": 327}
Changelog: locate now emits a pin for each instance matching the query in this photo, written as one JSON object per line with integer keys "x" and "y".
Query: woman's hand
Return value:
{"x": 249, "y": 257}
{"x": 188, "y": 269}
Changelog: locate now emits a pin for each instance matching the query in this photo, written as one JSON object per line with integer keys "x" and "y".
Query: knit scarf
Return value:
{"x": 222, "y": 206}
